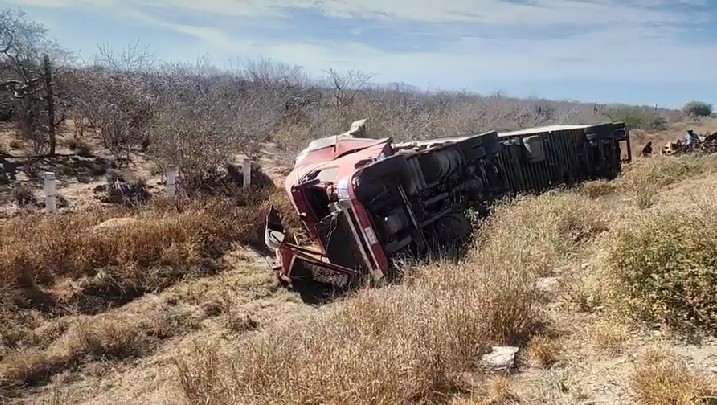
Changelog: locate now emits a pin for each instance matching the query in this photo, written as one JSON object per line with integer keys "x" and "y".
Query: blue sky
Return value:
{"x": 634, "y": 51}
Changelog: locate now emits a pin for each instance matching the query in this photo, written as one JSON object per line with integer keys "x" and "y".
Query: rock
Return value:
{"x": 115, "y": 223}
{"x": 585, "y": 265}
{"x": 501, "y": 358}
{"x": 547, "y": 284}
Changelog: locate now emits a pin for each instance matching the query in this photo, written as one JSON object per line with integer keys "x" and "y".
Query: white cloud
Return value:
{"x": 592, "y": 57}
{"x": 538, "y": 12}
{"x": 633, "y": 40}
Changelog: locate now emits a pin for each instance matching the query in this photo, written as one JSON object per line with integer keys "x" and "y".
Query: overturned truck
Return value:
{"x": 370, "y": 203}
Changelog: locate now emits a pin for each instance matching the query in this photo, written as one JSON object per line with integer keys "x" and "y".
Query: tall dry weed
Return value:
{"x": 660, "y": 268}
{"x": 661, "y": 378}
{"x": 539, "y": 233}
{"x": 643, "y": 179}
{"x": 408, "y": 343}
{"x": 40, "y": 249}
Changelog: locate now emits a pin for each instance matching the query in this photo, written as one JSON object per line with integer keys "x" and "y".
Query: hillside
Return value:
{"x": 104, "y": 318}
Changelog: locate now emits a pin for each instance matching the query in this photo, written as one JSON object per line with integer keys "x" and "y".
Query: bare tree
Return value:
{"x": 346, "y": 86}
{"x": 132, "y": 58}
{"x": 27, "y": 73}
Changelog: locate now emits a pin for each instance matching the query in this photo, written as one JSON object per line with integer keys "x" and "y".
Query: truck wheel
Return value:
{"x": 453, "y": 228}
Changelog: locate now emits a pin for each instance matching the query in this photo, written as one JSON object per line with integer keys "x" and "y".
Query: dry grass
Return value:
{"x": 609, "y": 335}
{"x": 599, "y": 188}
{"x": 497, "y": 390}
{"x": 39, "y": 250}
{"x": 542, "y": 352}
{"x": 410, "y": 341}
{"x": 660, "y": 378}
{"x": 646, "y": 177}
{"x": 540, "y": 233}
{"x": 238, "y": 300}
{"x": 414, "y": 340}
{"x": 79, "y": 146}
{"x": 660, "y": 267}
{"x": 61, "y": 264}
{"x": 72, "y": 341}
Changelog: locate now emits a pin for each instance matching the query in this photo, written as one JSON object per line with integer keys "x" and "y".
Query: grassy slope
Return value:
{"x": 529, "y": 281}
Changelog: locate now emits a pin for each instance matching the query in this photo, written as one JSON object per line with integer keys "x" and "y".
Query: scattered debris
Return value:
{"x": 502, "y": 358}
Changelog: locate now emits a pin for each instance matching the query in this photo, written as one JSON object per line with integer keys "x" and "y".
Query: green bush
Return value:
{"x": 664, "y": 269}
{"x": 637, "y": 117}
{"x": 698, "y": 109}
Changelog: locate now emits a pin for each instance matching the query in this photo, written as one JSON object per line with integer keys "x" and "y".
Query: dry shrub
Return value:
{"x": 660, "y": 268}
{"x": 610, "y": 335}
{"x": 540, "y": 232}
{"x": 497, "y": 390}
{"x": 103, "y": 337}
{"x": 414, "y": 340}
{"x": 644, "y": 178}
{"x": 599, "y": 188}
{"x": 40, "y": 249}
{"x": 583, "y": 291}
{"x": 239, "y": 321}
{"x": 28, "y": 366}
{"x": 16, "y": 144}
{"x": 24, "y": 195}
{"x": 125, "y": 188}
{"x": 542, "y": 352}
{"x": 660, "y": 378}
{"x": 82, "y": 148}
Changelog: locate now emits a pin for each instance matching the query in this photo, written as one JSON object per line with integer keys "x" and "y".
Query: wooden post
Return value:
{"x": 50, "y": 105}
{"x": 171, "y": 182}
{"x": 50, "y": 192}
{"x": 247, "y": 173}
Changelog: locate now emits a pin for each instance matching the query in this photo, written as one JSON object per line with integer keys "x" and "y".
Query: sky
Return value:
{"x": 649, "y": 52}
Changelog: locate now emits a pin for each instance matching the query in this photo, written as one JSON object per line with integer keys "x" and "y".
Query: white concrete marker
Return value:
{"x": 50, "y": 192}
{"x": 247, "y": 173}
{"x": 171, "y": 183}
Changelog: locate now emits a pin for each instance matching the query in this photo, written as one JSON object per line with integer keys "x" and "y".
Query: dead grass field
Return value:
{"x": 178, "y": 313}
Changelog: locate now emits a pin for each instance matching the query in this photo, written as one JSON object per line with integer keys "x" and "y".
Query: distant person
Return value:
{"x": 691, "y": 139}
{"x": 647, "y": 150}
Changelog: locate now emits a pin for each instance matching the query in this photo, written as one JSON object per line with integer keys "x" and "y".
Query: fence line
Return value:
{"x": 171, "y": 173}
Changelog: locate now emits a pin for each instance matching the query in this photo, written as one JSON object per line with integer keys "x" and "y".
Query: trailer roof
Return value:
{"x": 549, "y": 128}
